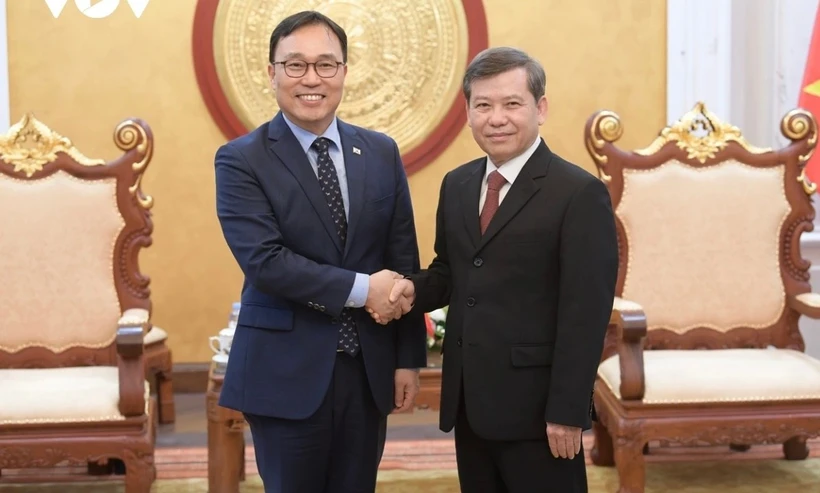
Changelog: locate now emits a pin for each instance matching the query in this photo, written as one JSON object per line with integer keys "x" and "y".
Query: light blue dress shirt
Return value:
{"x": 358, "y": 295}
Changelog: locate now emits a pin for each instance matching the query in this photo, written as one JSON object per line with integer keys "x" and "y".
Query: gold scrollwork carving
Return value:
{"x": 30, "y": 144}
{"x": 796, "y": 125}
{"x": 701, "y": 134}
{"x": 128, "y": 135}
{"x": 607, "y": 124}
{"x": 808, "y": 187}
{"x": 405, "y": 61}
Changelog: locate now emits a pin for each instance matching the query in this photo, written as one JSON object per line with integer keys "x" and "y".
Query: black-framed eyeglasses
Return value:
{"x": 324, "y": 69}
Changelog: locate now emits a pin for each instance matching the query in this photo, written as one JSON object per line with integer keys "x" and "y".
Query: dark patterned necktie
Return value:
{"x": 494, "y": 183}
{"x": 329, "y": 181}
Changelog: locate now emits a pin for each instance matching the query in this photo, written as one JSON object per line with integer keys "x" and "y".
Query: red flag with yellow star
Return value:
{"x": 810, "y": 93}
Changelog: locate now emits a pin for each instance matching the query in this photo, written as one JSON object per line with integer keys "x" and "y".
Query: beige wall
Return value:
{"x": 82, "y": 76}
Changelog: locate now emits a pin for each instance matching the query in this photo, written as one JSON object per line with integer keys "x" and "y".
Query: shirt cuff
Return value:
{"x": 358, "y": 294}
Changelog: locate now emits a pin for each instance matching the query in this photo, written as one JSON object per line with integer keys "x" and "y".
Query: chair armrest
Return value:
{"x": 136, "y": 316}
{"x": 807, "y": 304}
{"x": 132, "y": 327}
{"x": 630, "y": 323}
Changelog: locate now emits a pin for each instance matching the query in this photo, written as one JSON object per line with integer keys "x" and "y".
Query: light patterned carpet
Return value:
{"x": 748, "y": 476}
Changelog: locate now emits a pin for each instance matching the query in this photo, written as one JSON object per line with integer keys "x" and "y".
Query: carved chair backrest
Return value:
{"x": 709, "y": 229}
{"x": 72, "y": 228}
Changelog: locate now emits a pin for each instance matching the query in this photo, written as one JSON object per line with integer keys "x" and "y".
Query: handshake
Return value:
{"x": 389, "y": 296}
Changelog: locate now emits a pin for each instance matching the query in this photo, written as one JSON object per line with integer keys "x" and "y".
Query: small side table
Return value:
{"x": 226, "y": 439}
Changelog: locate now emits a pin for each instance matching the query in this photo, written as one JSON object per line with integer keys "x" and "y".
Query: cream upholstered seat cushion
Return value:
{"x": 722, "y": 375}
{"x": 56, "y": 395}
{"x": 154, "y": 335}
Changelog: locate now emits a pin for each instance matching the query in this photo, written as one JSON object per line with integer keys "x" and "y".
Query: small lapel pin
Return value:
{"x": 356, "y": 150}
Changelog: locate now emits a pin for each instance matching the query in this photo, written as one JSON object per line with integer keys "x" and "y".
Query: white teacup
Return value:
{"x": 221, "y": 344}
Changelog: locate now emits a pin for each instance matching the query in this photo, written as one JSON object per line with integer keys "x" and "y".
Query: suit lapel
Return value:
{"x": 470, "y": 195}
{"x": 284, "y": 144}
{"x": 521, "y": 191}
{"x": 356, "y": 170}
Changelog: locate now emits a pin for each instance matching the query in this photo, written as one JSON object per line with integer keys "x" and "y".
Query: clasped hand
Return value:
{"x": 389, "y": 296}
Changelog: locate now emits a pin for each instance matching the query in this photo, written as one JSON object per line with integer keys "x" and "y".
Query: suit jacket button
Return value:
{"x": 470, "y": 301}
{"x": 478, "y": 261}
{"x": 459, "y": 342}
{"x": 310, "y": 304}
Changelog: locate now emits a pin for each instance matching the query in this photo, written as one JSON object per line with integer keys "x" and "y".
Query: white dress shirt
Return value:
{"x": 508, "y": 170}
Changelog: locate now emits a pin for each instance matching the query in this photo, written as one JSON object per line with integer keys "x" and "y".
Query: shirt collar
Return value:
{"x": 511, "y": 169}
{"x": 306, "y": 138}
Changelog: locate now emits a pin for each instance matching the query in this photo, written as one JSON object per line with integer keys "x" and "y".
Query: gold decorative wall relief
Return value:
{"x": 406, "y": 60}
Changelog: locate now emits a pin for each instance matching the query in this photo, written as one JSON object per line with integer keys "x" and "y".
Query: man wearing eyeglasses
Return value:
{"x": 317, "y": 214}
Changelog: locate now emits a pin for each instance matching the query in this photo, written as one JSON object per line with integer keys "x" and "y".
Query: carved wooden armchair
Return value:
{"x": 74, "y": 307}
{"x": 703, "y": 345}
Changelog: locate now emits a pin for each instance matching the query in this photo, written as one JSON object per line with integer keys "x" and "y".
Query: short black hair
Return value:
{"x": 302, "y": 19}
{"x": 494, "y": 61}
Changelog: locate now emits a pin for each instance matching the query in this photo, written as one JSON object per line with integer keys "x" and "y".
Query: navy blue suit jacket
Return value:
{"x": 298, "y": 275}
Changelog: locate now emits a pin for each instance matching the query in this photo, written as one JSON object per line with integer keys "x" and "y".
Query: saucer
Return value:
{"x": 220, "y": 358}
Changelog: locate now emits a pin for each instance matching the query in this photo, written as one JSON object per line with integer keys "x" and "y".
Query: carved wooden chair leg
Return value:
{"x": 602, "y": 453}
{"x": 739, "y": 447}
{"x": 630, "y": 463}
{"x": 165, "y": 395}
{"x": 140, "y": 472}
{"x": 242, "y": 465}
{"x": 102, "y": 467}
{"x": 795, "y": 448}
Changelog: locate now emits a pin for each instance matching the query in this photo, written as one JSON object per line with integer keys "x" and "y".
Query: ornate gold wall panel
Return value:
{"x": 406, "y": 60}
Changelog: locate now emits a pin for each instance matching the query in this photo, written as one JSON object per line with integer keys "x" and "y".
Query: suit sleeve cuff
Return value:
{"x": 358, "y": 294}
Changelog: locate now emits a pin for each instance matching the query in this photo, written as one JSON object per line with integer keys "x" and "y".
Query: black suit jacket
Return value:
{"x": 529, "y": 300}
